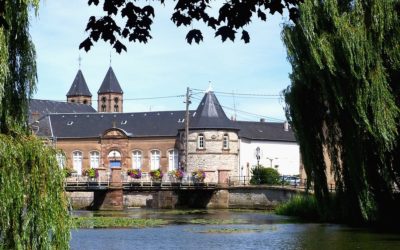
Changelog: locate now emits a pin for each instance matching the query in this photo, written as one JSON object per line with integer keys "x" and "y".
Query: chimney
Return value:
{"x": 286, "y": 126}
{"x": 262, "y": 120}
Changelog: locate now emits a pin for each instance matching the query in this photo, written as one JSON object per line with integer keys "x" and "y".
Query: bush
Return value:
{"x": 302, "y": 206}
{"x": 262, "y": 175}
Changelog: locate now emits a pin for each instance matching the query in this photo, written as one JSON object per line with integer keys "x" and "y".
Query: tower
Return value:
{"x": 79, "y": 91}
{"x": 110, "y": 94}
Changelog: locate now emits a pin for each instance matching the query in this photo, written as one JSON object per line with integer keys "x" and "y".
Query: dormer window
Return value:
{"x": 200, "y": 141}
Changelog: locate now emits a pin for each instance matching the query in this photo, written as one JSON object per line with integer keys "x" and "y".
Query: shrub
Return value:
{"x": 178, "y": 174}
{"x": 91, "y": 172}
{"x": 134, "y": 173}
{"x": 302, "y": 206}
{"x": 156, "y": 175}
{"x": 262, "y": 175}
{"x": 199, "y": 175}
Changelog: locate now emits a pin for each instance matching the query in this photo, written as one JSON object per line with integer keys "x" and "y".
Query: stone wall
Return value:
{"x": 251, "y": 197}
{"x": 213, "y": 156}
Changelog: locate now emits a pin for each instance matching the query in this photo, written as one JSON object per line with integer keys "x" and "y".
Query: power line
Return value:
{"x": 248, "y": 113}
{"x": 242, "y": 94}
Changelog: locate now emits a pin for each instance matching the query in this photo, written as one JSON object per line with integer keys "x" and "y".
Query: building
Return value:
{"x": 151, "y": 140}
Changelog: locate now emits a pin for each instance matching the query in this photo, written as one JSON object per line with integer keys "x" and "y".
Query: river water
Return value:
{"x": 243, "y": 230}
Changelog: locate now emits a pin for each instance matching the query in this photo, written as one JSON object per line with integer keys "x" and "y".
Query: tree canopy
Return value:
{"x": 33, "y": 207}
{"x": 232, "y": 18}
{"x": 345, "y": 68}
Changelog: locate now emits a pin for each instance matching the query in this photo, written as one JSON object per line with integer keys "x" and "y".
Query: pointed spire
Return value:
{"x": 210, "y": 115}
{"x": 209, "y": 87}
{"x": 110, "y": 83}
{"x": 79, "y": 86}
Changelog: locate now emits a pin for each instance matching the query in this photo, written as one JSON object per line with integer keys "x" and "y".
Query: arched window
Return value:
{"x": 137, "y": 159}
{"x": 225, "y": 142}
{"x": 116, "y": 100}
{"x": 200, "y": 141}
{"x": 155, "y": 159}
{"x": 85, "y": 101}
{"x": 60, "y": 160}
{"x": 103, "y": 108}
{"x": 115, "y": 108}
{"x": 77, "y": 161}
{"x": 173, "y": 159}
{"x": 104, "y": 99}
{"x": 94, "y": 159}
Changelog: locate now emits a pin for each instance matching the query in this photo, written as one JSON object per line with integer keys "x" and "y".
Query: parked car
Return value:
{"x": 291, "y": 180}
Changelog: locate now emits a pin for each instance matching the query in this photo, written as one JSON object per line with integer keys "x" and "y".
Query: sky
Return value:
{"x": 165, "y": 66}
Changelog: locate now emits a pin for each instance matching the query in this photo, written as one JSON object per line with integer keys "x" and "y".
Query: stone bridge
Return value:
{"x": 116, "y": 194}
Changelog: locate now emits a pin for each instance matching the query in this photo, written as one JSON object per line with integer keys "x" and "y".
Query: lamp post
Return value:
{"x": 258, "y": 155}
{"x": 258, "y": 164}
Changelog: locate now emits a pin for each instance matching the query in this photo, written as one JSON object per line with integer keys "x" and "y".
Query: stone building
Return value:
{"x": 149, "y": 140}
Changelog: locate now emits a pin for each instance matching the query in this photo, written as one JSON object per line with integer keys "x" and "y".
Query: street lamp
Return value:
{"x": 258, "y": 155}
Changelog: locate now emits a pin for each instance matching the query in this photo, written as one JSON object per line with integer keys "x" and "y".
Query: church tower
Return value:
{"x": 79, "y": 91}
{"x": 110, "y": 94}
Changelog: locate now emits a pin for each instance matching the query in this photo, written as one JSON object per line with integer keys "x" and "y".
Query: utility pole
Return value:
{"x": 187, "y": 126}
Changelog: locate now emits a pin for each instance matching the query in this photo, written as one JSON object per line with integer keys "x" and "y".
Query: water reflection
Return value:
{"x": 256, "y": 230}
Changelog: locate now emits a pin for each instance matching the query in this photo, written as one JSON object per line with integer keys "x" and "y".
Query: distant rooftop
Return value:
{"x": 40, "y": 108}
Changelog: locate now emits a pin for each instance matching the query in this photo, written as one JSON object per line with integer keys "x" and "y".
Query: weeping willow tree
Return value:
{"x": 344, "y": 102}
{"x": 33, "y": 208}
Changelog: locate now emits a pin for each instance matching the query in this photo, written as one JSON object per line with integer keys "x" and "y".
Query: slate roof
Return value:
{"x": 210, "y": 115}
{"x": 79, "y": 86}
{"x": 44, "y": 107}
{"x": 110, "y": 84}
{"x": 93, "y": 125}
{"x": 269, "y": 131}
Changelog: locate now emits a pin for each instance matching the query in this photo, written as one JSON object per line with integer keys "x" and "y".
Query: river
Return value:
{"x": 227, "y": 229}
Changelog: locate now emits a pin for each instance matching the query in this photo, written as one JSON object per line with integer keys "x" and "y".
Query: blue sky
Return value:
{"x": 166, "y": 65}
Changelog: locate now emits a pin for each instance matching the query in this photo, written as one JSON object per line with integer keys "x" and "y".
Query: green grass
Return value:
{"x": 115, "y": 222}
{"x": 301, "y": 206}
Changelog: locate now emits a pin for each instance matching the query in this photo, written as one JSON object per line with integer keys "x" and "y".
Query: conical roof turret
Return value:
{"x": 110, "y": 84}
{"x": 210, "y": 115}
{"x": 79, "y": 86}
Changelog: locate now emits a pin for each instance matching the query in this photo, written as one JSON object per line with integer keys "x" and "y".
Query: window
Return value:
{"x": 137, "y": 159}
{"x": 104, "y": 99}
{"x": 77, "y": 161}
{"x": 60, "y": 160}
{"x": 116, "y": 100}
{"x": 200, "y": 141}
{"x": 94, "y": 159}
{"x": 225, "y": 142}
{"x": 85, "y": 101}
{"x": 155, "y": 160}
{"x": 173, "y": 159}
{"x": 72, "y": 100}
{"x": 115, "y": 108}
